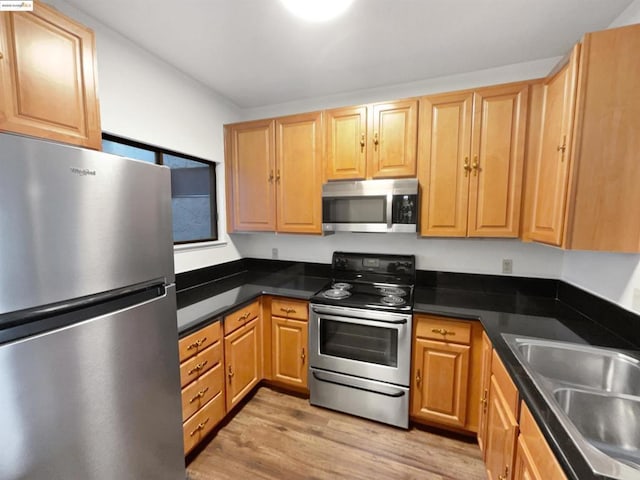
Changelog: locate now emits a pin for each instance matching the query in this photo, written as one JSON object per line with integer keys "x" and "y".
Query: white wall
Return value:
{"x": 611, "y": 276}
{"x": 146, "y": 99}
{"x": 450, "y": 255}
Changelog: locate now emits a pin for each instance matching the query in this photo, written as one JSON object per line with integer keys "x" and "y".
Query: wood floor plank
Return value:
{"x": 278, "y": 436}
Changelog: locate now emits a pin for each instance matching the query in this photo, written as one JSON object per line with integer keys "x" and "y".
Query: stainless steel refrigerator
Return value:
{"x": 89, "y": 371}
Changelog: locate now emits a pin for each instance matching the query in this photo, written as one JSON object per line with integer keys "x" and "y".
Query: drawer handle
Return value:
{"x": 443, "y": 331}
{"x": 244, "y": 316}
{"x": 288, "y": 310}
{"x": 231, "y": 374}
{"x": 199, "y": 427}
{"x": 198, "y": 367}
{"x": 303, "y": 355}
{"x": 199, "y": 395}
{"x": 197, "y": 344}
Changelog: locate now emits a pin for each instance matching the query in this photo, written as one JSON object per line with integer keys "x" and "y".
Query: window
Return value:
{"x": 193, "y": 187}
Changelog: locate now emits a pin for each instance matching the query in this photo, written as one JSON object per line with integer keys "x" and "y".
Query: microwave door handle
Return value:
{"x": 389, "y": 211}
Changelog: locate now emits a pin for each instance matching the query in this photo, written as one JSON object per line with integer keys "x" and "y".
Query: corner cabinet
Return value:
{"x": 242, "y": 352}
{"x": 274, "y": 174}
{"x": 48, "y": 84}
{"x": 372, "y": 141}
{"x": 446, "y": 372}
{"x": 471, "y": 160}
{"x": 587, "y": 171}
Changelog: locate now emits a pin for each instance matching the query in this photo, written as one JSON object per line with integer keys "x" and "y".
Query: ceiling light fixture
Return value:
{"x": 317, "y": 10}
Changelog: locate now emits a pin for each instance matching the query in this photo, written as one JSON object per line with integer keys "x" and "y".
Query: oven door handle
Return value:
{"x": 342, "y": 317}
{"x": 358, "y": 384}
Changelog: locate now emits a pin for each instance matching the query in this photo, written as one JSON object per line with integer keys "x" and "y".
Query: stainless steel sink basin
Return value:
{"x": 611, "y": 423}
{"x": 583, "y": 366}
{"x": 594, "y": 393}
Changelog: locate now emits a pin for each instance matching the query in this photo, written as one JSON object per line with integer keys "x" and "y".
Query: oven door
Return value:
{"x": 364, "y": 343}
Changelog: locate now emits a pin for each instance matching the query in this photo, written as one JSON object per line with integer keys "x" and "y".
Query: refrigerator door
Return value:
{"x": 77, "y": 222}
{"x": 95, "y": 400}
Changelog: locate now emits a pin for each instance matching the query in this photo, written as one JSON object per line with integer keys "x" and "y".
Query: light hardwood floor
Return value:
{"x": 279, "y": 436}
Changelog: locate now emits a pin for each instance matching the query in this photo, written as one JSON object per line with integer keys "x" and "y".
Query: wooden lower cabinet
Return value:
{"x": 243, "y": 361}
{"x": 502, "y": 430}
{"x": 202, "y": 382}
{"x": 446, "y": 372}
{"x": 289, "y": 351}
{"x": 485, "y": 385}
{"x": 534, "y": 458}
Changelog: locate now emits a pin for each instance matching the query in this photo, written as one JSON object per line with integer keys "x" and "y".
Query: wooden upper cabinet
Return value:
{"x": 250, "y": 170}
{"x": 47, "y": 77}
{"x": 552, "y": 172}
{"x": 346, "y": 143}
{"x": 498, "y": 141}
{"x": 587, "y": 169}
{"x": 470, "y": 162}
{"x": 372, "y": 141}
{"x": 392, "y": 146}
{"x": 299, "y": 173}
{"x": 445, "y": 132}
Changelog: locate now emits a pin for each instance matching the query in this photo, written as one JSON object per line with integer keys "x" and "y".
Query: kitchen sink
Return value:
{"x": 594, "y": 393}
{"x": 609, "y": 422}
{"x": 584, "y": 366}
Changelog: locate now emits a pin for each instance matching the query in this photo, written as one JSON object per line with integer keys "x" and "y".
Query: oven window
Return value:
{"x": 355, "y": 210}
{"x": 359, "y": 342}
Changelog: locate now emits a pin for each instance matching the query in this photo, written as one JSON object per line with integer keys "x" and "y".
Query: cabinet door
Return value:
{"x": 485, "y": 382}
{"x": 250, "y": 168}
{"x": 443, "y": 164}
{"x": 392, "y": 146}
{"x": 499, "y": 129}
{"x": 441, "y": 376}
{"x": 243, "y": 354}
{"x": 524, "y": 468}
{"x": 346, "y": 143}
{"x": 289, "y": 351}
{"x": 299, "y": 173}
{"x": 552, "y": 172}
{"x": 502, "y": 430}
{"x": 47, "y": 77}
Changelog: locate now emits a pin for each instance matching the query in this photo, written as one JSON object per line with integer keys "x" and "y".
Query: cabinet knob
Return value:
{"x": 199, "y": 427}
{"x": 466, "y": 166}
{"x": 484, "y": 402}
{"x": 418, "y": 378}
{"x": 199, "y": 395}
{"x": 198, "y": 367}
{"x": 1, "y": 56}
{"x": 562, "y": 148}
{"x": 197, "y": 343}
{"x": 475, "y": 165}
{"x": 278, "y": 176}
{"x": 303, "y": 356}
{"x": 288, "y": 310}
{"x": 375, "y": 140}
{"x": 506, "y": 473}
{"x": 362, "y": 143}
{"x": 270, "y": 176}
{"x": 230, "y": 374}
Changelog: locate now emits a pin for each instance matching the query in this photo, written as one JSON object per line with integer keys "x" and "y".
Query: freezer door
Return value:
{"x": 95, "y": 400}
{"x": 76, "y": 222}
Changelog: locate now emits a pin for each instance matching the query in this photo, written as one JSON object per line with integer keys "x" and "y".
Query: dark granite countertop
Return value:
{"x": 207, "y": 303}
{"x": 541, "y": 317}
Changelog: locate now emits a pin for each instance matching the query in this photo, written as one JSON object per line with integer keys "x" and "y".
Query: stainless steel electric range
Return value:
{"x": 360, "y": 337}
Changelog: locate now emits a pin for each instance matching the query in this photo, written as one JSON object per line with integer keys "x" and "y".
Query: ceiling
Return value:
{"x": 255, "y": 53}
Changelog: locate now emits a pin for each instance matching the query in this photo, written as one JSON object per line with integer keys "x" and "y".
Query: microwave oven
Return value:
{"x": 370, "y": 206}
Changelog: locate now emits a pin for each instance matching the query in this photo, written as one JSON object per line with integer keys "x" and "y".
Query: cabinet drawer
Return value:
{"x": 507, "y": 387}
{"x": 200, "y": 391}
{"x": 198, "y": 426}
{"x": 240, "y": 317}
{"x": 199, "y": 341}
{"x": 283, "y": 307}
{"x": 437, "y": 328}
{"x": 196, "y": 366}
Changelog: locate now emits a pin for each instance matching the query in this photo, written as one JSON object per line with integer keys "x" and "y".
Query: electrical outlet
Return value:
{"x": 635, "y": 301}
{"x": 507, "y": 265}
{"x": 274, "y": 253}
